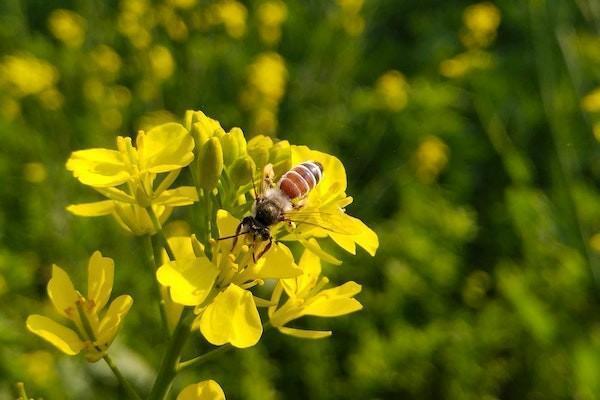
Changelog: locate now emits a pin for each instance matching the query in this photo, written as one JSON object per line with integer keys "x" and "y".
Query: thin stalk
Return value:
{"x": 131, "y": 393}
{"x": 159, "y": 231}
{"x": 204, "y": 357}
{"x": 153, "y": 266}
{"x": 168, "y": 367}
{"x": 124, "y": 383}
{"x": 21, "y": 391}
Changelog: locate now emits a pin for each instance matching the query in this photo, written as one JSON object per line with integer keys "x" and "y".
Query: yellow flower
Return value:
{"x": 166, "y": 148}
{"x": 591, "y": 101}
{"x": 431, "y": 158}
{"x": 67, "y": 26}
{"x": 268, "y": 76}
{"x": 307, "y": 297}
{"x": 205, "y": 390}
{"x": 325, "y": 206}
{"x": 24, "y": 75}
{"x": 391, "y": 87}
{"x": 271, "y": 14}
{"x": 218, "y": 287}
{"x": 481, "y": 22}
{"x": 233, "y": 15}
{"x": 94, "y": 329}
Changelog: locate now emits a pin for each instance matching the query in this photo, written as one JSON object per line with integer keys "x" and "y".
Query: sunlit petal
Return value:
{"x": 98, "y": 167}
{"x": 61, "y": 292}
{"x": 205, "y": 390}
{"x": 63, "y": 338}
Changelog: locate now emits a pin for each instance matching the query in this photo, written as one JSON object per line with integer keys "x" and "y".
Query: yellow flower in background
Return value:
{"x": 352, "y": 21}
{"x": 232, "y": 14}
{"x": 35, "y": 172}
{"x": 205, "y": 390}
{"x": 306, "y": 296}
{"x": 392, "y": 90}
{"x": 458, "y": 66}
{"x": 218, "y": 287}
{"x": 268, "y": 76}
{"x": 106, "y": 60}
{"x": 271, "y": 14}
{"x": 481, "y": 22}
{"x": 68, "y": 27}
{"x": 166, "y": 148}
{"x": 591, "y": 101}
{"x": 94, "y": 329}
{"x": 430, "y": 159}
{"x": 161, "y": 62}
{"x": 24, "y": 75}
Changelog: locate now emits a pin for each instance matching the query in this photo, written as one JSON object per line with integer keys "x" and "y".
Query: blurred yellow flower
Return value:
{"x": 430, "y": 159}
{"x": 595, "y": 242}
{"x": 271, "y": 14}
{"x": 106, "y": 60}
{"x": 481, "y": 22}
{"x": 268, "y": 76}
{"x": 591, "y": 101}
{"x": 466, "y": 62}
{"x": 183, "y": 4}
{"x": 205, "y": 390}
{"x": 34, "y": 172}
{"x": 162, "y": 62}
{"x": 51, "y": 99}
{"x": 306, "y": 296}
{"x": 352, "y": 21}
{"x": 68, "y": 27}
{"x": 40, "y": 366}
{"x": 24, "y": 74}
{"x": 165, "y": 148}
{"x": 233, "y": 15}
{"x": 94, "y": 330}
{"x": 391, "y": 89}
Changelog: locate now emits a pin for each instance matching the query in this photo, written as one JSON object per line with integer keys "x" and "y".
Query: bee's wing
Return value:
{"x": 332, "y": 221}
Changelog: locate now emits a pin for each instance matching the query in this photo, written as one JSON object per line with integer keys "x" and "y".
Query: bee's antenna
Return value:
{"x": 233, "y": 236}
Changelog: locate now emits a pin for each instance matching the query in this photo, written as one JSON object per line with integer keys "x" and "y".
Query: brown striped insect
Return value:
{"x": 275, "y": 200}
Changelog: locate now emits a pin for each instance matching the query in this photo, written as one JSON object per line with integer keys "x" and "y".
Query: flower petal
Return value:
{"x": 63, "y": 338}
{"x": 205, "y": 390}
{"x": 95, "y": 209}
{"x": 232, "y": 318}
{"x": 112, "y": 320}
{"x": 98, "y": 167}
{"x": 277, "y": 263}
{"x": 304, "y": 333}
{"x": 190, "y": 280}
{"x": 100, "y": 279}
{"x": 335, "y": 302}
{"x": 182, "y": 196}
{"x": 165, "y": 148}
{"x": 61, "y": 292}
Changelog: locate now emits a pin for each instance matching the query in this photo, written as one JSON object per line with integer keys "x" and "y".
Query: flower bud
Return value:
{"x": 210, "y": 163}
{"x": 242, "y": 170}
{"x": 258, "y": 149}
{"x": 234, "y": 145}
{"x": 280, "y": 155}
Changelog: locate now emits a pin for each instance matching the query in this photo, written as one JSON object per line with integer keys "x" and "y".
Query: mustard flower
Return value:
{"x": 166, "y": 149}
{"x": 205, "y": 390}
{"x": 219, "y": 287}
{"x": 306, "y": 296}
{"x": 325, "y": 206}
{"x": 94, "y": 329}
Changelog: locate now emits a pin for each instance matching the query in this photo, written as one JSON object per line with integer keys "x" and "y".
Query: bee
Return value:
{"x": 277, "y": 199}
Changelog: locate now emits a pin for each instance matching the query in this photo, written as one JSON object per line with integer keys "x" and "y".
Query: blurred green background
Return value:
{"x": 470, "y": 134}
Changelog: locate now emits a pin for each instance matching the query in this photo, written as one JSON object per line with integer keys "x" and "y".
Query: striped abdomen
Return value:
{"x": 300, "y": 180}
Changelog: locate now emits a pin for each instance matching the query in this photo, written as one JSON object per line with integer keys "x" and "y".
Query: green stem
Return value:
{"x": 203, "y": 357}
{"x": 21, "y": 391}
{"x": 168, "y": 367}
{"x": 131, "y": 393}
{"x": 153, "y": 262}
{"x": 124, "y": 383}
{"x": 158, "y": 228}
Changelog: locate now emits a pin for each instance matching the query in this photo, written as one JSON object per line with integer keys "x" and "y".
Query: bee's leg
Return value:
{"x": 237, "y": 234}
{"x": 267, "y": 247}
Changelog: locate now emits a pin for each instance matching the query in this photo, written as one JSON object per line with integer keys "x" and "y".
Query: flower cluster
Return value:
{"x": 206, "y": 281}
